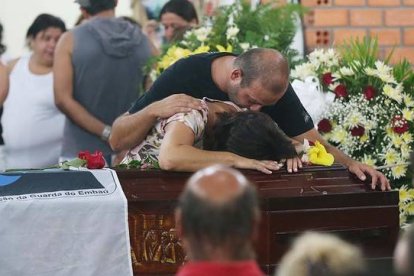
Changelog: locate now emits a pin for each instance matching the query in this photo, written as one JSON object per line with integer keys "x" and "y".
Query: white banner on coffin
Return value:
{"x": 79, "y": 232}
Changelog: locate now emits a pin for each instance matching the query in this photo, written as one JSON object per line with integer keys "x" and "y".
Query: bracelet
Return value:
{"x": 106, "y": 132}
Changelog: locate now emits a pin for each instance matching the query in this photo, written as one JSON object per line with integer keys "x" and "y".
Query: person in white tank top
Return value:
{"x": 32, "y": 125}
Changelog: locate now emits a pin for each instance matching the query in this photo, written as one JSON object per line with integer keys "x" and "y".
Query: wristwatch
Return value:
{"x": 106, "y": 132}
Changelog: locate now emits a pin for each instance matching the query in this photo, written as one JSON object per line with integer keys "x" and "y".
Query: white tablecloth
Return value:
{"x": 67, "y": 232}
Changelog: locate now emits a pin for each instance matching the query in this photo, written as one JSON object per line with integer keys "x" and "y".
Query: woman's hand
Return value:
{"x": 264, "y": 166}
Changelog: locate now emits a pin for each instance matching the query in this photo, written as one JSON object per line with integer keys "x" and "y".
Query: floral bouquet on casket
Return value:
{"x": 371, "y": 116}
{"x": 236, "y": 28}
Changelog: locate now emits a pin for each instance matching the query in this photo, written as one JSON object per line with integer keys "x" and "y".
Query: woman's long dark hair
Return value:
{"x": 2, "y": 46}
{"x": 250, "y": 134}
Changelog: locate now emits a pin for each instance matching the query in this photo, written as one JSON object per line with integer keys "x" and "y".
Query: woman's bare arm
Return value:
{"x": 177, "y": 153}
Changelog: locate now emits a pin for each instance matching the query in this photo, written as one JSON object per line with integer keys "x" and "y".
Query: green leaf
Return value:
{"x": 76, "y": 163}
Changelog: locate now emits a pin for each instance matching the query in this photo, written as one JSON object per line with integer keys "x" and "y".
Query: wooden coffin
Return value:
{"x": 316, "y": 198}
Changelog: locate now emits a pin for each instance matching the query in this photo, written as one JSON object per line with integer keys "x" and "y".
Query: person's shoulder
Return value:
{"x": 11, "y": 64}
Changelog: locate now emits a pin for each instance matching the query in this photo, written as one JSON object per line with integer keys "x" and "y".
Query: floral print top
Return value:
{"x": 148, "y": 151}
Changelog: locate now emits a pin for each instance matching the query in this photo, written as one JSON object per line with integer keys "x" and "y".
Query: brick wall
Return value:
{"x": 330, "y": 22}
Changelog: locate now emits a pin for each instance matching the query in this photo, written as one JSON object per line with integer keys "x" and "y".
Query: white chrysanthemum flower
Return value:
{"x": 405, "y": 151}
{"x": 404, "y": 194}
{"x": 382, "y": 68}
{"x": 409, "y": 102}
{"x": 408, "y": 114}
{"x": 397, "y": 140}
{"x": 399, "y": 171}
{"x": 230, "y": 21}
{"x": 332, "y": 57}
{"x": 346, "y": 71}
{"x": 336, "y": 76}
{"x": 245, "y": 46}
{"x": 391, "y": 157}
{"x": 303, "y": 71}
{"x": 232, "y": 32}
{"x": 387, "y": 78}
{"x": 339, "y": 134}
{"x": 393, "y": 93}
{"x": 367, "y": 159}
{"x": 202, "y": 33}
{"x": 354, "y": 119}
{"x": 370, "y": 71}
{"x": 315, "y": 57}
{"x": 266, "y": 37}
{"x": 407, "y": 137}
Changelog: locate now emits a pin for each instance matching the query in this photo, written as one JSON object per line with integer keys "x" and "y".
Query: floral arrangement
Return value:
{"x": 371, "y": 118}
{"x": 237, "y": 28}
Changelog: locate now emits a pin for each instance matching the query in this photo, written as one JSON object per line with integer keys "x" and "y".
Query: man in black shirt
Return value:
{"x": 257, "y": 79}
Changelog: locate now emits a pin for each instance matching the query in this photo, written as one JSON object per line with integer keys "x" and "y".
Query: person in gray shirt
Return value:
{"x": 97, "y": 74}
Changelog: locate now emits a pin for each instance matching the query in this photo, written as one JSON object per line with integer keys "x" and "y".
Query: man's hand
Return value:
{"x": 293, "y": 164}
{"x": 377, "y": 178}
{"x": 173, "y": 104}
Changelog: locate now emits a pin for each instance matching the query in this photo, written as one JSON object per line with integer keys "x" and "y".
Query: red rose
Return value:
{"x": 93, "y": 161}
{"x": 369, "y": 92}
{"x": 358, "y": 131}
{"x": 324, "y": 126}
{"x": 399, "y": 124}
{"x": 84, "y": 155}
{"x": 340, "y": 91}
{"x": 327, "y": 78}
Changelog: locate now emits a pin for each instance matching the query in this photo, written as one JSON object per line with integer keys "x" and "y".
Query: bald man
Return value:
{"x": 217, "y": 219}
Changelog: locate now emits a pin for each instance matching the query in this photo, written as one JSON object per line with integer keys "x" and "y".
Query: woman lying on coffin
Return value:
{"x": 244, "y": 140}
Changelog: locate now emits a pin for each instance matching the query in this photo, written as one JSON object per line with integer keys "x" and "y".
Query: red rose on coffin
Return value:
{"x": 324, "y": 126}
{"x": 327, "y": 78}
{"x": 341, "y": 91}
{"x": 93, "y": 161}
{"x": 369, "y": 92}
{"x": 399, "y": 124}
{"x": 358, "y": 131}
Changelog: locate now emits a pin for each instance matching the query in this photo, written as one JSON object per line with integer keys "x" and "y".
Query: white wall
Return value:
{"x": 17, "y": 15}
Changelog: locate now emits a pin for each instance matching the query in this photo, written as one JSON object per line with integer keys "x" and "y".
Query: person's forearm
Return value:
{"x": 340, "y": 157}
{"x": 189, "y": 159}
{"x": 313, "y": 135}
{"x": 4, "y": 83}
{"x": 80, "y": 116}
{"x": 129, "y": 130}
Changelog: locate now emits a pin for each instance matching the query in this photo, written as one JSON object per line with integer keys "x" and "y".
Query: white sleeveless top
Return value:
{"x": 32, "y": 124}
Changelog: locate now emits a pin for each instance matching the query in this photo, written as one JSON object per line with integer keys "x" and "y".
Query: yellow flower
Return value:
{"x": 391, "y": 157}
{"x": 398, "y": 171}
{"x": 410, "y": 208}
{"x": 408, "y": 114}
{"x": 404, "y": 194}
{"x": 364, "y": 138}
{"x": 319, "y": 156}
{"x": 221, "y": 48}
{"x": 407, "y": 137}
{"x": 202, "y": 49}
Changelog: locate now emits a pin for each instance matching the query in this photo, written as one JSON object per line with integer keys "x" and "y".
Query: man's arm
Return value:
{"x": 177, "y": 153}
{"x": 129, "y": 130}
{"x": 357, "y": 168}
{"x": 63, "y": 88}
{"x": 4, "y": 83}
